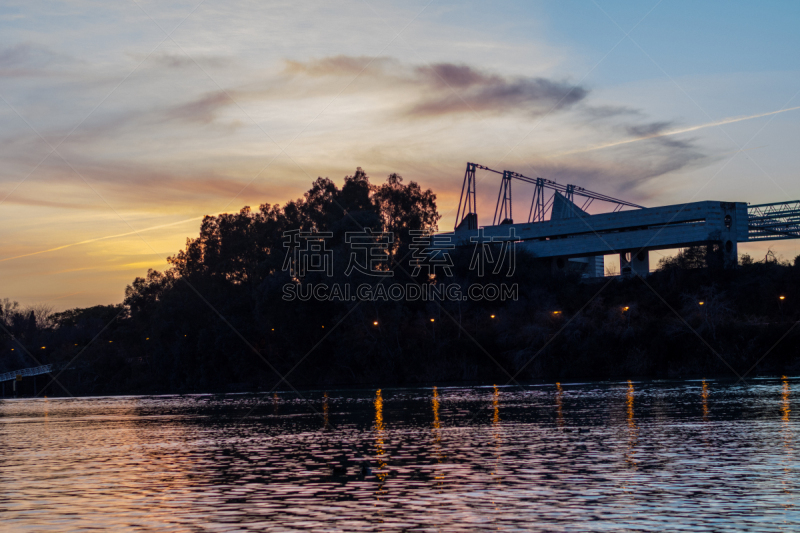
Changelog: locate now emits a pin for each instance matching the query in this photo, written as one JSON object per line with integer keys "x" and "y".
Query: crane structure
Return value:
{"x": 542, "y": 202}
{"x": 557, "y": 228}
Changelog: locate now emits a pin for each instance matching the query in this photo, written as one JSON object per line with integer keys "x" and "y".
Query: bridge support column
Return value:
{"x": 558, "y": 264}
{"x": 723, "y": 253}
{"x": 730, "y": 254}
{"x": 633, "y": 263}
{"x": 728, "y": 236}
{"x": 596, "y": 267}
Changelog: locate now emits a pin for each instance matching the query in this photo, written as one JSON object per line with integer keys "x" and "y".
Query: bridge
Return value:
{"x": 17, "y": 375}
{"x": 25, "y": 372}
{"x": 557, "y": 227}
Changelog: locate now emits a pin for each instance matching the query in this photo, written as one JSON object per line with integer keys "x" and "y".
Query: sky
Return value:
{"x": 122, "y": 124}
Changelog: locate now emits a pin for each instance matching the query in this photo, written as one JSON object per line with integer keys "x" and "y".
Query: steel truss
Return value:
{"x": 541, "y": 203}
{"x": 779, "y": 220}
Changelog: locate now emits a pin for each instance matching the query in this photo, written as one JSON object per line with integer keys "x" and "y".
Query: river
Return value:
{"x": 607, "y": 456}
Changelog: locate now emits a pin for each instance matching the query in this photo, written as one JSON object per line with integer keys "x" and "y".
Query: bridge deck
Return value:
{"x": 674, "y": 226}
{"x": 25, "y": 372}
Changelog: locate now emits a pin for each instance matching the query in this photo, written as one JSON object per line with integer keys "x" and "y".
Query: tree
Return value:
{"x": 686, "y": 258}
{"x": 145, "y": 292}
{"x": 405, "y": 208}
{"x": 99, "y": 315}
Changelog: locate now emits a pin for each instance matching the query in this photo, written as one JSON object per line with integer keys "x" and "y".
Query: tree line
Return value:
{"x": 216, "y": 318}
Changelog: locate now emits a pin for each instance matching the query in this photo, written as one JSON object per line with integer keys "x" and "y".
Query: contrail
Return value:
{"x": 675, "y": 132}
{"x": 102, "y": 238}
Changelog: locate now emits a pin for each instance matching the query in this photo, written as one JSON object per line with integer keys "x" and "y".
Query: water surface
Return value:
{"x": 629, "y": 456}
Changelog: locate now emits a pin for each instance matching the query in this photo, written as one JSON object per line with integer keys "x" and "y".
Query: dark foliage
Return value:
{"x": 217, "y": 320}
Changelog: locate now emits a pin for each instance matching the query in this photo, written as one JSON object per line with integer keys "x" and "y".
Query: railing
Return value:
{"x": 32, "y": 371}
{"x": 780, "y": 220}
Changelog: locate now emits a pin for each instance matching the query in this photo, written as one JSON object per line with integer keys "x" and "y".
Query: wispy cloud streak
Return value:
{"x": 659, "y": 134}
{"x": 96, "y": 239}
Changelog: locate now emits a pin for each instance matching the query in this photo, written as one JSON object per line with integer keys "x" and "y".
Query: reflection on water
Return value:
{"x": 325, "y": 419}
{"x": 438, "y": 453}
{"x": 496, "y": 437}
{"x": 559, "y": 406}
{"x": 788, "y": 461}
{"x": 495, "y": 407}
{"x": 633, "y": 431}
{"x": 616, "y": 456}
{"x": 785, "y": 402}
{"x": 437, "y": 425}
{"x": 379, "y": 451}
{"x": 629, "y": 403}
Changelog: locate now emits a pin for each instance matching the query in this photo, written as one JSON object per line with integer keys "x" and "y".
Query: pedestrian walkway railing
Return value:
{"x": 24, "y": 372}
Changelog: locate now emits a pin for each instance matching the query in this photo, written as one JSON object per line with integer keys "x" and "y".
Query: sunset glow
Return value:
{"x": 122, "y": 125}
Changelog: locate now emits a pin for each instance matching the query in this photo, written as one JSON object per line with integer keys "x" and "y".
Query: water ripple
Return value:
{"x": 692, "y": 455}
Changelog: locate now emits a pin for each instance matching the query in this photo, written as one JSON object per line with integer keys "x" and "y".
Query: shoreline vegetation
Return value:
{"x": 216, "y": 321}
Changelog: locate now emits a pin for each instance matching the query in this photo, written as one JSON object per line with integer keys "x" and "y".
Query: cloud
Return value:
{"x": 449, "y": 88}
{"x": 657, "y": 131}
{"x": 447, "y": 75}
{"x": 660, "y": 130}
{"x": 23, "y": 60}
{"x": 180, "y": 61}
{"x": 202, "y": 110}
{"x": 499, "y": 95}
{"x": 633, "y": 171}
{"x": 342, "y": 65}
{"x": 174, "y": 145}
{"x": 96, "y": 239}
{"x": 652, "y": 129}
{"x": 601, "y": 112}
{"x": 633, "y": 176}
{"x": 14, "y": 55}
